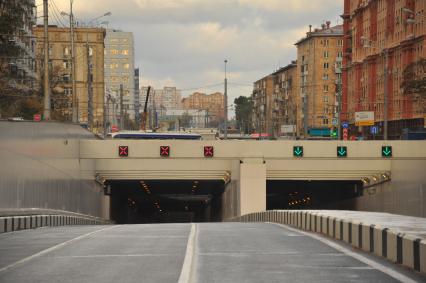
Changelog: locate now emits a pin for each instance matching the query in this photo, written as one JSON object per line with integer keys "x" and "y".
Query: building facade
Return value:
{"x": 89, "y": 70}
{"x": 119, "y": 69}
{"x": 212, "y": 103}
{"x": 275, "y": 103}
{"x": 382, "y": 35}
{"x": 319, "y": 57}
{"x": 262, "y": 98}
{"x": 18, "y": 60}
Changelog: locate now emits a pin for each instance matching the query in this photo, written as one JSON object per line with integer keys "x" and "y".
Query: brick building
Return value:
{"x": 212, "y": 103}
{"x": 382, "y": 34}
{"x": 319, "y": 59}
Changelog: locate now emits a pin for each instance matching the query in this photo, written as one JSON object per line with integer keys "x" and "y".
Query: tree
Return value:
{"x": 414, "y": 82}
{"x": 243, "y": 113}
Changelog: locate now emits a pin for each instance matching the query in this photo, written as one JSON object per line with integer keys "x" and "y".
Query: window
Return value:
{"x": 66, "y": 78}
{"x": 325, "y": 121}
{"x": 326, "y": 65}
{"x": 340, "y": 54}
{"x": 68, "y": 91}
{"x": 325, "y": 77}
{"x": 114, "y": 52}
{"x": 325, "y": 99}
{"x": 90, "y": 51}
{"x": 326, "y": 42}
{"x": 325, "y": 54}
{"x": 66, "y": 51}
{"x": 340, "y": 42}
{"x": 325, "y": 88}
{"x": 65, "y": 64}
{"x": 126, "y": 66}
{"x": 125, "y": 52}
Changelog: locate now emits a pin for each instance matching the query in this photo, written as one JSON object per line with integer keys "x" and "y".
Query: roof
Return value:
{"x": 326, "y": 32}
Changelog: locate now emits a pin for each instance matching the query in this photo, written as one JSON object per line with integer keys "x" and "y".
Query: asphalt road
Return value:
{"x": 208, "y": 252}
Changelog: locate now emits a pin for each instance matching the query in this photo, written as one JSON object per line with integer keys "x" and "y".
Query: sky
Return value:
{"x": 184, "y": 43}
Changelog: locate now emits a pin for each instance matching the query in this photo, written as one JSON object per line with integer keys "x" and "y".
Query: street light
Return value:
{"x": 225, "y": 106}
{"x": 385, "y": 86}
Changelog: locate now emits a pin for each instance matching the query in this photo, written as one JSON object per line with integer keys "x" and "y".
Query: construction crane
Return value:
{"x": 145, "y": 112}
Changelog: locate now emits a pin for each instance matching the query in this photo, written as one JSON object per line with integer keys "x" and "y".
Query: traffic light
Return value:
{"x": 386, "y": 151}
{"x": 123, "y": 151}
{"x": 208, "y": 151}
{"x": 333, "y": 133}
{"x": 165, "y": 151}
{"x": 298, "y": 151}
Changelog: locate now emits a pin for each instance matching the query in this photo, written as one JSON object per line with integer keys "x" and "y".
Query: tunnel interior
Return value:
{"x": 165, "y": 201}
{"x": 295, "y": 194}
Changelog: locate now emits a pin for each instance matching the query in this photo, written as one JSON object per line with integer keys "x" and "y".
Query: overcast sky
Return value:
{"x": 183, "y": 43}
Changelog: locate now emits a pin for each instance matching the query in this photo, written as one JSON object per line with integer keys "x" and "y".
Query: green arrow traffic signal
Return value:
{"x": 342, "y": 151}
{"x": 298, "y": 151}
{"x": 386, "y": 151}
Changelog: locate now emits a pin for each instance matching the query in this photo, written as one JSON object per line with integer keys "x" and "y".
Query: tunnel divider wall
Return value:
{"x": 397, "y": 247}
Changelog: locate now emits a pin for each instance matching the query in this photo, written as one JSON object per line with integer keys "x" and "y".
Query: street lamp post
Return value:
{"x": 226, "y": 105}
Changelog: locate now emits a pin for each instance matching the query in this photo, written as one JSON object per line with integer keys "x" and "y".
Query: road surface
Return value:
{"x": 206, "y": 252}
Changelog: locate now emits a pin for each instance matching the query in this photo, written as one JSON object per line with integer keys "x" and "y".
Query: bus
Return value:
{"x": 154, "y": 136}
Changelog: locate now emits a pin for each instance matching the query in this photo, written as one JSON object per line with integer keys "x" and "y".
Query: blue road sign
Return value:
{"x": 374, "y": 130}
{"x": 345, "y": 125}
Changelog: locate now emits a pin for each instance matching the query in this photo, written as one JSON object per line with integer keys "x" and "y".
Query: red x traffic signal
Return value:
{"x": 165, "y": 151}
{"x": 208, "y": 151}
{"x": 123, "y": 151}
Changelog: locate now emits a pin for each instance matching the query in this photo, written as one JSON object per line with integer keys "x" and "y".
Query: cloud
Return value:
{"x": 184, "y": 42}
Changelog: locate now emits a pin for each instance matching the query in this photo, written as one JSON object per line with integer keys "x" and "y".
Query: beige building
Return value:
{"x": 212, "y": 103}
{"x": 381, "y": 34}
{"x": 319, "y": 58}
{"x": 89, "y": 51}
{"x": 275, "y": 102}
{"x": 262, "y": 97}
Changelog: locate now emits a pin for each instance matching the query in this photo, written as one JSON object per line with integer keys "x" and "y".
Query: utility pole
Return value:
{"x": 46, "y": 112}
{"x": 385, "y": 95}
{"x": 89, "y": 85}
{"x": 226, "y": 105}
{"x": 121, "y": 108}
{"x": 74, "y": 89}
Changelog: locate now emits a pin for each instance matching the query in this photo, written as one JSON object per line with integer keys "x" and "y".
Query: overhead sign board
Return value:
{"x": 342, "y": 151}
{"x": 286, "y": 129}
{"x": 123, "y": 151}
{"x": 364, "y": 118}
{"x": 298, "y": 151}
{"x": 387, "y": 151}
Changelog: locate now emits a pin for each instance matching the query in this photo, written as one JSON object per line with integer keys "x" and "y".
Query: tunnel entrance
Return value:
{"x": 291, "y": 194}
{"x": 166, "y": 201}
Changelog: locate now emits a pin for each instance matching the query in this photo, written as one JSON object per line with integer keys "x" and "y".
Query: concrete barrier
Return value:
{"x": 397, "y": 247}
{"x": 10, "y": 224}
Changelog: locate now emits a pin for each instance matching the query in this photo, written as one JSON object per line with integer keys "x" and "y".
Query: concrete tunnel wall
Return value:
{"x": 40, "y": 168}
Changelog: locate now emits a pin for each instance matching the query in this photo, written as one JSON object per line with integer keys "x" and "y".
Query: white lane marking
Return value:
{"x": 360, "y": 257}
{"x": 106, "y": 256}
{"x": 58, "y": 246}
{"x": 185, "y": 274}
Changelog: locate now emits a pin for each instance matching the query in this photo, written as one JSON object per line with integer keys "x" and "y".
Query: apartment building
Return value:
{"x": 89, "y": 71}
{"x": 119, "y": 69}
{"x": 213, "y": 103}
{"x": 18, "y": 60}
{"x": 383, "y": 35}
{"x": 319, "y": 58}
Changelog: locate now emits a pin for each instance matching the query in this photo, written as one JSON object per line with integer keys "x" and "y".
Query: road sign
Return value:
{"x": 386, "y": 151}
{"x": 114, "y": 128}
{"x": 37, "y": 117}
{"x": 345, "y": 134}
{"x": 374, "y": 130}
{"x": 123, "y": 151}
{"x": 345, "y": 125}
{"x": 364, "y": 118}
{"x": 298, "y": 151}
{"x": 208, "y": 151}
{"x": 165, "y": 151}
{"x": 342, "y": 151}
